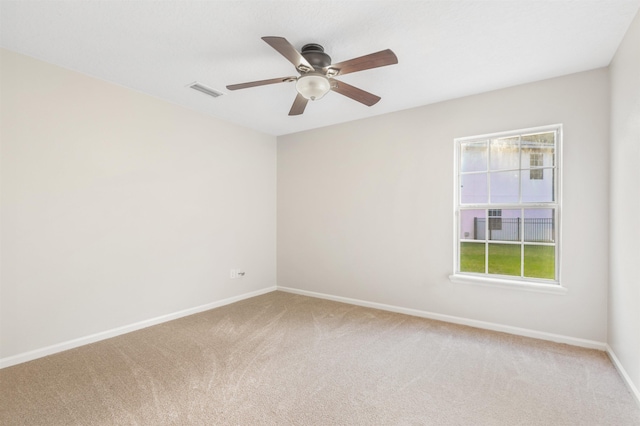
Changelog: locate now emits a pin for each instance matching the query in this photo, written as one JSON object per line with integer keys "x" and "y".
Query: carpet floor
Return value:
{"x": 285, "y": 359}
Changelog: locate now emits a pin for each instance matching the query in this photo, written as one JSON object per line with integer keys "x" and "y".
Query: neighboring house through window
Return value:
{"x": 535, "y": 161}
{"x": 507, "y": 208}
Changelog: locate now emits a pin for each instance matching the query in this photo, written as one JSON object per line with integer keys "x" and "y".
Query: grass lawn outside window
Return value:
{"x": 505, "y": 259}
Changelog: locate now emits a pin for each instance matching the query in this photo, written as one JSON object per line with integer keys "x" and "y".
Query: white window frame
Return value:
{"x": 512, "y": 282}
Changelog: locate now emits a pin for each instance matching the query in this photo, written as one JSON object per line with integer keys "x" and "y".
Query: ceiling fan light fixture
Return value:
{"x": 313, "y": 86}
{"x": 317, "y": 73}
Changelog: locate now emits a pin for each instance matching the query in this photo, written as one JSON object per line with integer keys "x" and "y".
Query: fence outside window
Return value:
{"x": 535, "y": 229}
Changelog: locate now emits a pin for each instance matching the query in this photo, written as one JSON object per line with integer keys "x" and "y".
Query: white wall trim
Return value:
{"x": 508, "y": 284}
{"x": 625, "y": 377}
{"x": 81, "y": 341}
{"x": 59, "y": 347}
{"x": 558, "y": 338}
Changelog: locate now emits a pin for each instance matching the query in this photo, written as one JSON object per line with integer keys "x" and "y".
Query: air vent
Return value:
{"x": 204, "y": 89}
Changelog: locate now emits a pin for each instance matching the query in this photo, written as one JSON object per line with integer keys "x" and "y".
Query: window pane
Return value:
{"x": 472, "y": 257}
{"x": 506, "y": 226}
{"x": 538, "y": 187}
{"x": 504, "y": 187}
{"x": 472, "y": 224}
{"x": 504, "y": 259}
{"x": 473, "y": 188}
{"x": 540, "y": 143}
{"x": 474, "y": 156}
{"x": 505, "y": 153}
{"x": 539, "y": 225}
{"x": 539, "y": 262}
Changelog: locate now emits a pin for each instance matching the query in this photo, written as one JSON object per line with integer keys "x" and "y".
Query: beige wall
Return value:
{"x": 624, "y": 290}
{"x": 118, "y": 207}
{"x": 365, "y": 209}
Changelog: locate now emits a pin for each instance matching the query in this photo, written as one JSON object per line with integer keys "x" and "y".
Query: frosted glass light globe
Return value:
{"x": 313, "y": 86}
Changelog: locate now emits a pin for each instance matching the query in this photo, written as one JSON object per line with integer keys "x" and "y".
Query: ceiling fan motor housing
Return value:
{"x": 314, "y": 54}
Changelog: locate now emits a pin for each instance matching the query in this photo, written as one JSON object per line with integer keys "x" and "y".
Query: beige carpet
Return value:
{"x": 288, "y": 359}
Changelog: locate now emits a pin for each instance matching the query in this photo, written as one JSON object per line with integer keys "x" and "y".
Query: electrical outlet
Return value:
{"x": 236, "y": 273}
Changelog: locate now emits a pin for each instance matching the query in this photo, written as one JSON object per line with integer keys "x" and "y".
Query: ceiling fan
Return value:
{"x": 317, "y": 73}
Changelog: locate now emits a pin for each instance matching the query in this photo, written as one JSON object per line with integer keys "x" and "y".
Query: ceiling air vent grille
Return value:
{"x": 204, "y": 89}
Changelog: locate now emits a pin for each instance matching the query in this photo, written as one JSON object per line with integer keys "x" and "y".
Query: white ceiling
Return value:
{"x": 445, "y": 49}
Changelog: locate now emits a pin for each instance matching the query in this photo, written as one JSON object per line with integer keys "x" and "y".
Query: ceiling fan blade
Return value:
{"x": 374, "y": 60}
{"x": 299, "y": 105}
{"x": 287, "y": 50}
{"x": 261, "y": 83}
{"x": 354, "y": 93}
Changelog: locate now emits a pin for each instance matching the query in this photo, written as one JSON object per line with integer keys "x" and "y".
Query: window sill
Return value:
{"x": 506, "y": 283}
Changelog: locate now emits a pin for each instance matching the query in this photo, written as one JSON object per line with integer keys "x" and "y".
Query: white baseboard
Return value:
{"x": 70, "y": 344}
{"x": 558, "y": 338}
{"x": 627, "y": 380}
{"x": 49, "y": 350}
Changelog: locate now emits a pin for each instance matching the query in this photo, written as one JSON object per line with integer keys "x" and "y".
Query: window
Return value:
{"x": 507, "y": 225}
{"x": 536, "y": 160}
{"x": 495, "y": 219}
